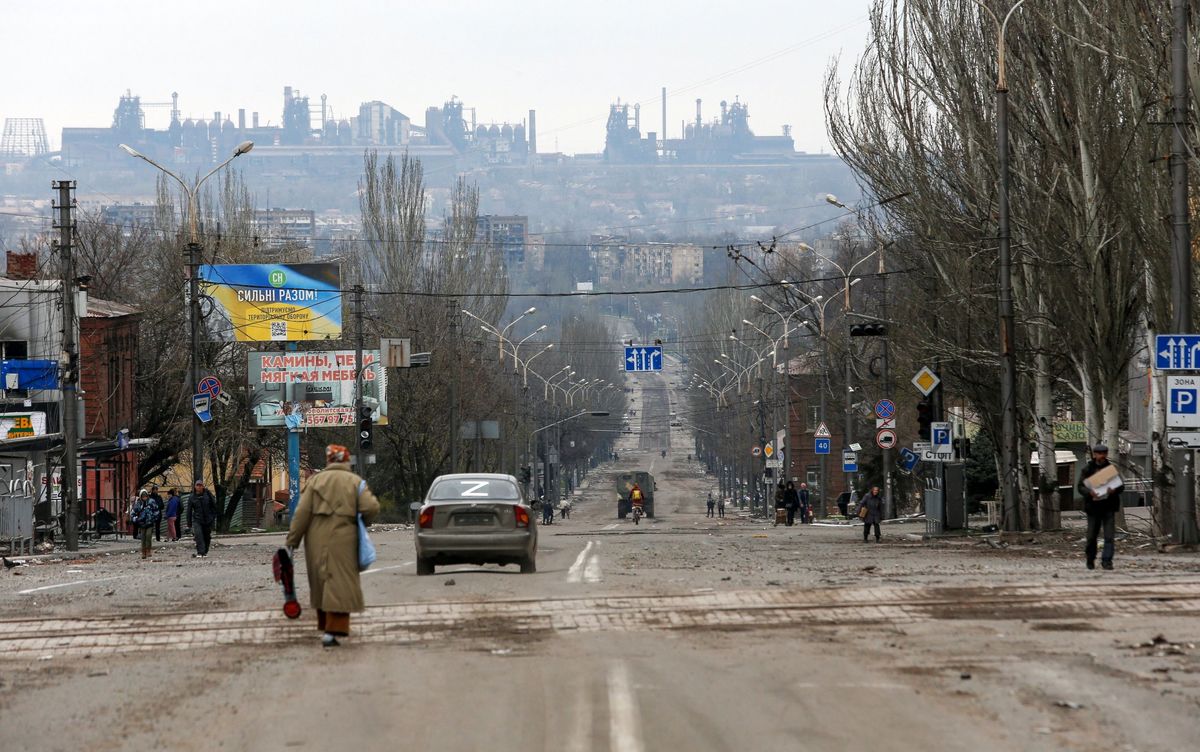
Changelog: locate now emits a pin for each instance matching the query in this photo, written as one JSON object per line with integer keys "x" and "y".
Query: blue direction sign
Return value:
{"x": 849, "y": 461}
{"x": 1177, "y": 352}
{"x": 821, "y": 446}
{"x": 643, "y": 358}
{"x": 908, "y": 459}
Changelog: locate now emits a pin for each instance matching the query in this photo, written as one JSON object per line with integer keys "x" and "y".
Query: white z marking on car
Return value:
{"x": 475, "y": 487}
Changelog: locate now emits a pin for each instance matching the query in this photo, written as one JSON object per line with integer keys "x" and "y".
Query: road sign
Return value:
{"x": 821, "y": 446}
{"x": 202, "y": 406}
{"x": 940, "y": 448}
{"x": 643, "y": 358}
{"x": 1182, "y": 399}
{"x": 224, "y": 398}
{"x": 908, "y": 459}
{"x": 925, "y": 381}
{"x": 756, "y": 451}
{"x": 1175, "y": 352}
{"x": 1190, "y": 439}
{"x": 885, "y": 438}
{"x": 775, "y": 463}
{"x": 209, "y": 385}
{"x": 885, "y": 408}
{"x": 769, "y": 450}
{"x": 885, "y": 423}
{"x": 856, "y": 447}
{"x": 822, "y": 431}
{"x": 849, "y": 461}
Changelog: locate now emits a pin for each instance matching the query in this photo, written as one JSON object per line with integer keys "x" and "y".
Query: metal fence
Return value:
{"x": 16, "y": 523}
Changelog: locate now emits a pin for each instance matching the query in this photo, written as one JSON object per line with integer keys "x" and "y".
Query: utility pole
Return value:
{"x": 824, "y": 458}
{"x": 69, "y": 362}
{"x": 454, "y": 427}
{"x": 193, "y": 252}
{"x": 361, "y": 416}
{"x": 1181, "y": 259}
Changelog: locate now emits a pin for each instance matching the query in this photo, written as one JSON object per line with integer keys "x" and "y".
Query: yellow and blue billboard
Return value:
{"x": 271, "y": 302}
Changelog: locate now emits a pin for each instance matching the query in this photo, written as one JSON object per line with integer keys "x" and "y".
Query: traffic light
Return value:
{"x": 365, "y": 425}
{"x": 868, "y": 330}
{"x": 526, "y": 475}
{"x": 962, "y": 449}
{"x": 924, "y": 418}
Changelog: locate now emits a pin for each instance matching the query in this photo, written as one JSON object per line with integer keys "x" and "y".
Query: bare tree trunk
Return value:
{"x": 1043, "y": 397}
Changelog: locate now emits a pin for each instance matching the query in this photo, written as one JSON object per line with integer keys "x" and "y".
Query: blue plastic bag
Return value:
{"x": 366, "y": 549}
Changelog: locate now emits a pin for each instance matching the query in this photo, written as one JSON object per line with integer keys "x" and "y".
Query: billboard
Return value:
{"x": 313, "y": 389}
{"x": 272, "y": 302}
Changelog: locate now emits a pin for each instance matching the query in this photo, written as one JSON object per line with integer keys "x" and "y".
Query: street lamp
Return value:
{"x": 193, "y": 249}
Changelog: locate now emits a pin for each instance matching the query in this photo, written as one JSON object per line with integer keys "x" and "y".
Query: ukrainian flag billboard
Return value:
{"x": 271, "y": 302}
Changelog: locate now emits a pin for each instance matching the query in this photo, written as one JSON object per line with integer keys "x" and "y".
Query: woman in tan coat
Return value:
{"x": 325, "y": 520}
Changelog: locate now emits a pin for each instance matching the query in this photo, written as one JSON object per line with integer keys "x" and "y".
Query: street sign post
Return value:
{"x": 756, "y": 451}
{"x": 849, "y": 461}
{"x": 211, "y": 386}
{"x": 643, "y": 358}
{"x": 775, "y": 463}
{"x": 881, "y": 423}
{"x": 821, "y": 446}
{"x": 941, "y": 447}
{"x": 769, "y": 450}
{"x": 202, "y": 406}
{"x": 1183, "y": 402}
{"x": 885, "y": 438}
{"x": 908, "y": 459}
{"x": 1177, "y": 352}
{"x": 885, "y": 408}
{"x": 822, "y": 431}
{"x": 926, "y": 381}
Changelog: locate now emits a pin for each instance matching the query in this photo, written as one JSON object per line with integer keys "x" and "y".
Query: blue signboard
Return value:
{"x": 1176, "y": 352}
{"x": 821, "y": 446}
{"x": 849, "y": 461}
{"x": 643, "y": 358}
{"x": 908, "y": 459}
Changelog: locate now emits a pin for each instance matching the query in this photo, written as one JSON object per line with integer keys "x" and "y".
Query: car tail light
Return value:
{"x": 522, "y": 516}
{"x": 426, "y": 518}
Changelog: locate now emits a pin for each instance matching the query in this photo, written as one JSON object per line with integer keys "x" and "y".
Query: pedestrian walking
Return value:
{"x": 791, "y": 502}
{"x": 711, "y": 504}
{"x": 805, "y": 506}
{"x": 202, "y": 516}
{"x": 871, "y": 511}
{"x": 142, "y": 514}
{"x": 721, "y": 506}
{"x": 1100, "y": 507}
{"x": 843, "y": 503}
{"x": 129, "y": 519}
{"x": 326, "y": 521}
{"x": 780, "y": 503}
{"x": 157, "y": 500}
{"x": 172, "y": 512}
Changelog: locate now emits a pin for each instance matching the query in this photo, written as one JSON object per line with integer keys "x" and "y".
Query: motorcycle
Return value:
{"x": 637, "y": 514}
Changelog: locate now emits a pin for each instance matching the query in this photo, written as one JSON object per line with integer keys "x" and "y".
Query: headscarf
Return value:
{"x": 337, "y": 453}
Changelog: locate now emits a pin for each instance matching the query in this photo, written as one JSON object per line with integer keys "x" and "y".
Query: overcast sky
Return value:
{"x": 68, "y": 61}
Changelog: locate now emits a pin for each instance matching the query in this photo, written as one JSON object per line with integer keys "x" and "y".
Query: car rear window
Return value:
{"x": 473, "y": 488}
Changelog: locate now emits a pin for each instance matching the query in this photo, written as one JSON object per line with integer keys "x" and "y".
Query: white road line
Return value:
{"x": 575, "y": 573}
{"x": 625, "y": 727}
{"x": 581, "y": 730}
{"x": 613, "y": 526}
{"x": 591, "y": 572}
{"x": 394, "y": 566}
{"x": 69, "y": 584}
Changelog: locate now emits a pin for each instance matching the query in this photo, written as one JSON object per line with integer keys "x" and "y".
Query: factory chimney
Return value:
{"x": 323, "y": 113}
{"x": 241, "y": 118}
{"x": 637, "y": 117}
{"x": 175, "y": 106}
{"x": 698, "y": 113}
{"x": 664, "y": 128}
{"x": 254, "y": 120}
{"x": 533, "y": 132}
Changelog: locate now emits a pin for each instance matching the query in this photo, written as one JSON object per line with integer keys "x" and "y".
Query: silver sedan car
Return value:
{"x": 475, "y": 518}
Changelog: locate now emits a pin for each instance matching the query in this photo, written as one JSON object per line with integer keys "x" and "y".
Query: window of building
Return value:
{"x": 814, "y": 417}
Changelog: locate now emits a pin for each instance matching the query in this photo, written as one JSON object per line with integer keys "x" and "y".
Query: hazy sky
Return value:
{"x": 68, "y": 61}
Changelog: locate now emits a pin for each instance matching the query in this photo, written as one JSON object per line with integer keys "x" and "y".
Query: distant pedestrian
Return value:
{"x": 202, "y": 517}
{"x": 712, "y": 504}
{"x": 142, "y": 514}
{"x": 805, "y": 505}
{"x": 1101, "y": 510}
{"x": 130, "y": 522}
{"x": 873, "y": 504}
{"x": 721, "y": 506}
{"x": 791, "y": 502}
{"x": 172, "y": 512}
{"x": 326, "y": 522}
{"x": 159, "y": 506}
{"x": 843, "y": 503}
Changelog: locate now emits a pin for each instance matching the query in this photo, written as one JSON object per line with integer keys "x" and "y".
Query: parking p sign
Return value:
{"x": 1183, "y": 402}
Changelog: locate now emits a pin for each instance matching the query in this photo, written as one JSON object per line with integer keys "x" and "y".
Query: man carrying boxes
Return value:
{"x": 1100, "y": 485}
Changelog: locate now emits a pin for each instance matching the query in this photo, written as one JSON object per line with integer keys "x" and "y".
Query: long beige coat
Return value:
{"x": 325, "y": 521}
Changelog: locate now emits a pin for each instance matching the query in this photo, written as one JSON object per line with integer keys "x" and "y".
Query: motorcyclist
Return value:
{"x": 637, "y": 498}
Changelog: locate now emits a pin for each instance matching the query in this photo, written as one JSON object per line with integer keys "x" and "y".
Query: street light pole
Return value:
{"x": 193, "y": 255}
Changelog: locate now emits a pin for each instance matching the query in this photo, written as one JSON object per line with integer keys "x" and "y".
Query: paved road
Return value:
{"x": 683, "y": 633}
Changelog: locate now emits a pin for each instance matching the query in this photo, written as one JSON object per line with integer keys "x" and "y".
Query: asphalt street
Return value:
{"x": 684, "y": 632}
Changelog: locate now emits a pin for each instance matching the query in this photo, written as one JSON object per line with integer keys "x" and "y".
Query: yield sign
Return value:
{"x": 822, "y": 431}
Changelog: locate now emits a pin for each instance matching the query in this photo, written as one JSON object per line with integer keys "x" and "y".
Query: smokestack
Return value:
{"x": 533, "y": 132}
{"x": 175, "y": 105}
{"x": 698, "y": 118}
{"x": 254, "y": 120}
{"x": 323, "y": 113}
{"x": 637, "y": 117}
{"x": 241, "y": 118}
{"x": 664, "y": 105}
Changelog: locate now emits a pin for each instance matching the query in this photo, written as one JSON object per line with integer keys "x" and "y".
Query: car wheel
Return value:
{"x": 528, "y": 565}
{"x": 424, "y": 567}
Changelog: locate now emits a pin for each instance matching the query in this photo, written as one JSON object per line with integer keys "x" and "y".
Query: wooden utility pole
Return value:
{"x": 69, "y": 362}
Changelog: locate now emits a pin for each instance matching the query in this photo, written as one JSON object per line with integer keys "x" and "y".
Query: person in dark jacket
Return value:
{"x": 805, "y": 503}
{"x": 157, "y": 500}
{"x": 873, "y": 503}
{"x": 791, "y": 502}
{"x": 202, "y": 517}
{"x": 142, "y": 514}
{"x": 1101, "y": 510}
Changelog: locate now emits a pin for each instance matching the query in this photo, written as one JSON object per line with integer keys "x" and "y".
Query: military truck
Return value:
{"x": 624, "y": 484}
